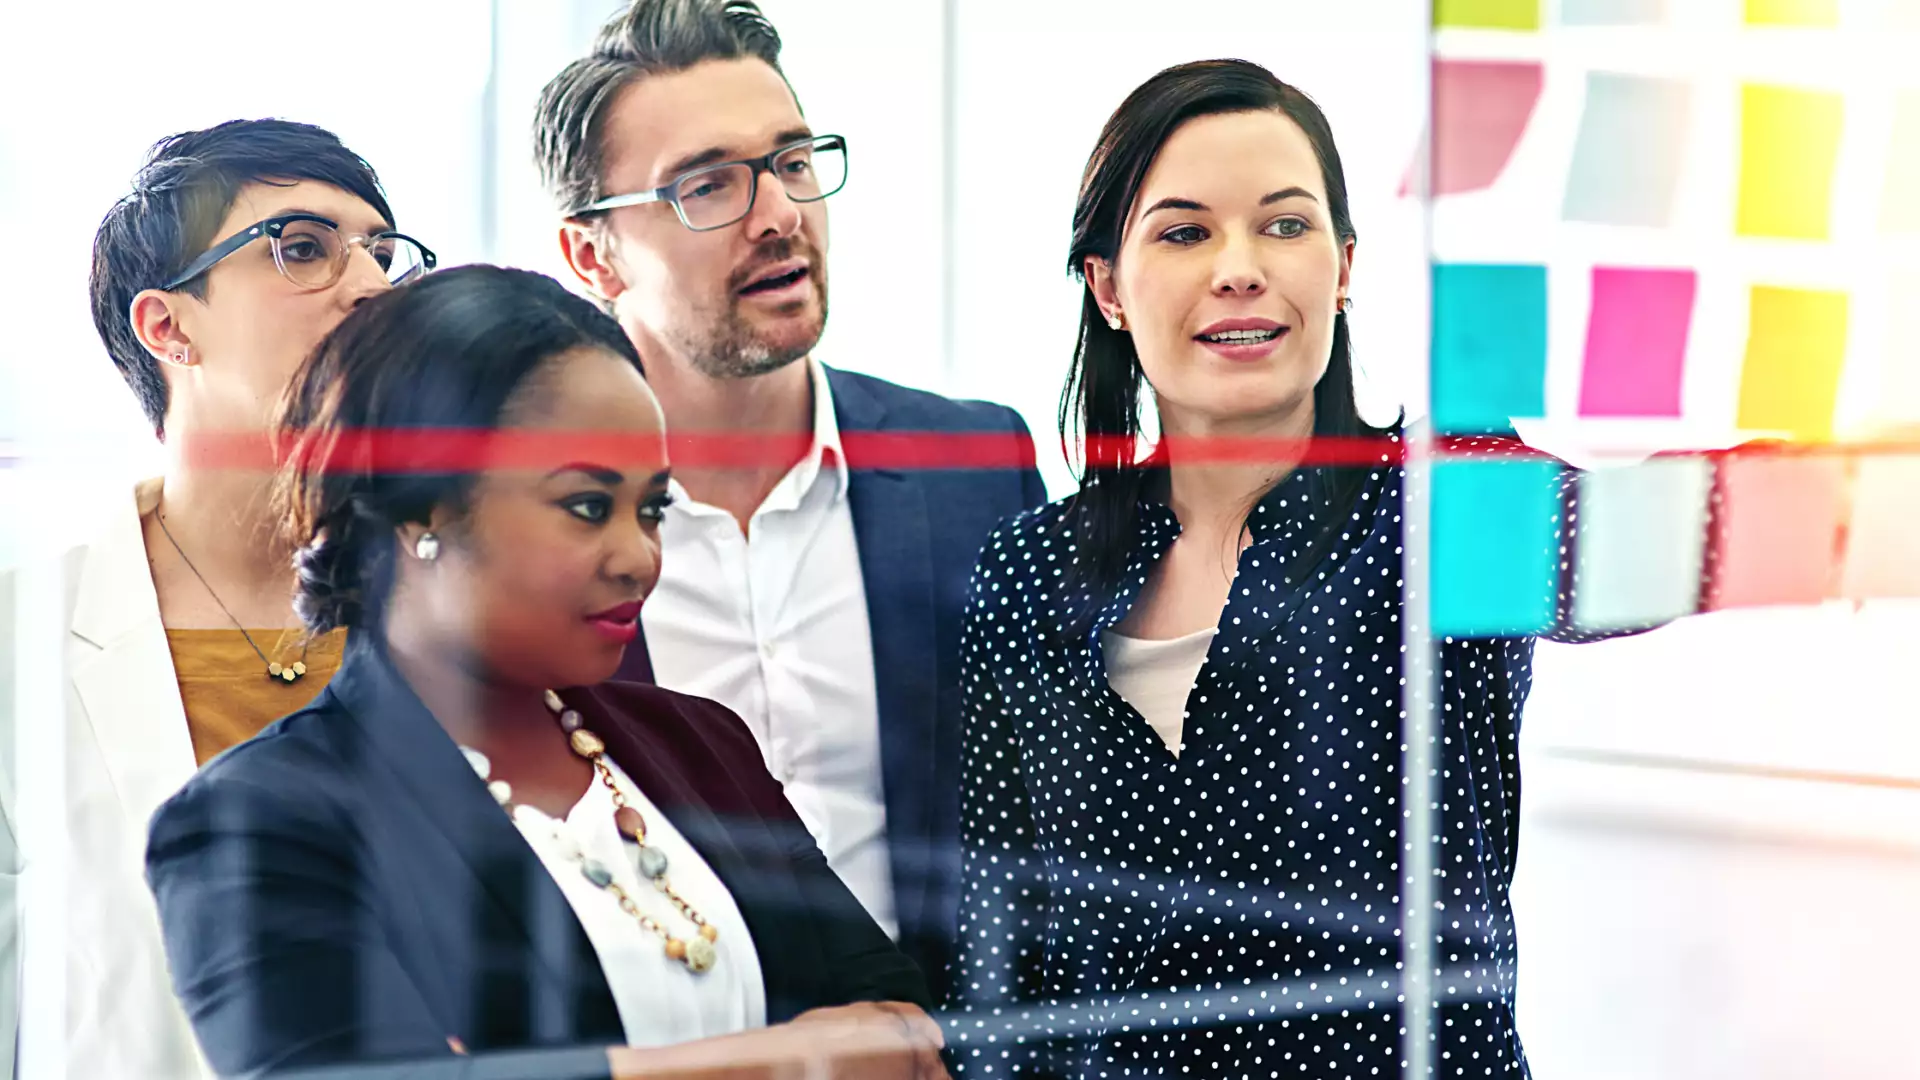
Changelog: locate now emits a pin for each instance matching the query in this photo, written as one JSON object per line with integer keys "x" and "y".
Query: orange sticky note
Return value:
{"x": 1775, "y": 533}
{"x": 1796, "y": 343}
{"x": 1883, "y": 537}
{"x": 1789, "y": 143}
{"x": 1793, "y": 12}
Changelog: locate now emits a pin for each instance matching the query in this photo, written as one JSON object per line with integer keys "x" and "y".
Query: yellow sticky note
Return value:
{"x": 1488, "y": 14}
{"x": 1789, "y": 141}
{"x": 1793, "y": 12}
{"x": 1900, "y": 196}
{"x": 1796, "y": 344}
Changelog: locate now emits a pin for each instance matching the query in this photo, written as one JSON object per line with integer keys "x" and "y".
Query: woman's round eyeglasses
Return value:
{"x": 312, "y": 252}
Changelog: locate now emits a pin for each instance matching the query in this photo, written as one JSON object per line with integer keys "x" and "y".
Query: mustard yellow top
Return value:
{"x": 227, "y": 692}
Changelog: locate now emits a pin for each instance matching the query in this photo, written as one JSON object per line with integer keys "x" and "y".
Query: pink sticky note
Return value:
{"x": 1636, "y": 342}
{"x": 1480, "y": 110}
{"x": 1883, "y": 538}
{"x": 1775, "y": 529}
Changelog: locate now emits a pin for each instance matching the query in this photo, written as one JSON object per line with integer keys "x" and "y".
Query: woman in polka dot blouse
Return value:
{"x": 1181, "y": 792}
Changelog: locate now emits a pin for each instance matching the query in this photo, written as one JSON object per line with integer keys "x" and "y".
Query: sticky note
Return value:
{"x": 1773, "y": 540}
{"x": 1480, "y": 110}
{"x": 1613, "y": 12}
{"x": 1626, "y": 159}
{"x": 1793, "y": 12}
{"x": 1883, "y": 535}
{"x": 1489, "y": 346}
{"x": 1900, "y": 194}
{"x": 1636, "y": 342}
{"x": 1496, "y": 547}
{"x": 1796, "y": 343}
{"x": 1640, "y": 542}
{"x": 1899, "y": 390}
{"x": 1488, "y": 14}
{"x": 1789, "y": 142}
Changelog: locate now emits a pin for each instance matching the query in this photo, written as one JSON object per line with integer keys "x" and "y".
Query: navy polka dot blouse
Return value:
{"x": 1234, "y": 911}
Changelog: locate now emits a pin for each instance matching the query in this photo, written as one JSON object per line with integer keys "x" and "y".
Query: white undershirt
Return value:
{"x": 659, "y": 1000}
{"x": 1157, "y": 677}
{"x": 773, "y": 625}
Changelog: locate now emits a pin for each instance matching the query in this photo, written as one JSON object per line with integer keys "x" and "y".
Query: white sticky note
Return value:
{"x": 1640, "y": 543}
{"x": 1883, "y": 537}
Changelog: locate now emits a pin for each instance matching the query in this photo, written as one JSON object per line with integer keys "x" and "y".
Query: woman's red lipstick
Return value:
{"x": 618, "y": 624}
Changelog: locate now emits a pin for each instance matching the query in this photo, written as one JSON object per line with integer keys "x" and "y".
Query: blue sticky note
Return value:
{"x": 1496, "y": 547}
{"x": 1489, "y": 346}
{"x": 1640, "y": 540}
{"x": 1626, "y": 162}
{"x": 1613, "y": 12}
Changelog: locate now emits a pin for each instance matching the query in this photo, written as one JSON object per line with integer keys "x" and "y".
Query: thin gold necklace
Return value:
{"x": 274, "y": 671}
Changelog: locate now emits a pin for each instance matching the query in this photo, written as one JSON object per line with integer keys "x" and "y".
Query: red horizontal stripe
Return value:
{"x": 429, "y": 451}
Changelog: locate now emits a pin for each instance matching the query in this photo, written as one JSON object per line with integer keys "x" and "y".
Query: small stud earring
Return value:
{"x": 1113, "y": 320}
{"x": 1346, "y": 304}
{"x": 427, "y": 548}
{"x": 180, "y": 357}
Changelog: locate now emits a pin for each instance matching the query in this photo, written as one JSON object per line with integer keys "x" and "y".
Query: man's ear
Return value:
{"x": 588, "y": 248}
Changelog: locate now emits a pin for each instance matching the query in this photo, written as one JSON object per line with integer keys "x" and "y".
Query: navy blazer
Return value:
{"x": 919, "y": 531}
{"x": 342, "y": 889}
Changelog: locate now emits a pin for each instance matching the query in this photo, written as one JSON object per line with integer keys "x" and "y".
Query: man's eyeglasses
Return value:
{"x": 715, "y": 196}
{"x": 311, "y": 252}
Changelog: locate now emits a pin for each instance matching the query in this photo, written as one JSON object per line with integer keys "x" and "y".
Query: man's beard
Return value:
{"x": 731, "y": 348}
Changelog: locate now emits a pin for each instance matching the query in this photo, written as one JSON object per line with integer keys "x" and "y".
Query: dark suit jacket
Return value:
{"x": 920, "y": 530}
{"x": 343, "y": 889}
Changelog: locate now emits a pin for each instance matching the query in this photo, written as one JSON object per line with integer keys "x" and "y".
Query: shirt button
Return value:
{"x": 766, "y": 649}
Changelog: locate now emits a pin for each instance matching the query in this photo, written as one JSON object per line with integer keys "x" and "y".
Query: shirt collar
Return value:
{"x": 824, "y": 453}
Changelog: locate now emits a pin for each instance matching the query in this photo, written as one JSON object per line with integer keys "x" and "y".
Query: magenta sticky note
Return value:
{"x": 1480, "y": 110}
{"x": 1883, "y": 535}
{"x": 1776, "y": 531}
{"x": 1636, "y": 341}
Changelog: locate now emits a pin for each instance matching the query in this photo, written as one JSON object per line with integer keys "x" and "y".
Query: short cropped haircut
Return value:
{"x": 179, "y": 197}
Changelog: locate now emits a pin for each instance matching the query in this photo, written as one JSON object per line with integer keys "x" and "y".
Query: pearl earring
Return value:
{"x": 427, "y": 548}
{"x": 1113, "y": 320}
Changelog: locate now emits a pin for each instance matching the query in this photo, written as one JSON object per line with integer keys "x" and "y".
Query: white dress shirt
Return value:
{"x": 659, "y": 1000}
{"x": 773, "y": 625}
{"x": 1157, "y": 677}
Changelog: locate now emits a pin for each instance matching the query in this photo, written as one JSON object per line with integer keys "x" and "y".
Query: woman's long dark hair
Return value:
{"x": 1100, "y": 406}
{"x": 446, "y": 353}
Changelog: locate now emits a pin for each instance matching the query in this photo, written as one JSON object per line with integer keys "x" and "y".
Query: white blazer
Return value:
{"x": 127, "y": 751}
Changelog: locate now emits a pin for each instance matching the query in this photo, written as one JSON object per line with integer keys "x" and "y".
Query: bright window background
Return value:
{"x": 1721, "y": 842}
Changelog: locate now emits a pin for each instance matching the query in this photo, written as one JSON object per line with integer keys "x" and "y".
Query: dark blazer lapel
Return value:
{"x": 890, "y": 524}
{"x": 527, "y": 908}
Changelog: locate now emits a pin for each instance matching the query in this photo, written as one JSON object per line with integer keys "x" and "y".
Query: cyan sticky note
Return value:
{"x": 1626, "y": 160}
{"x": 1496, "y": 546}
{"x": 1640, "y": 541}
{"x": 1613, "y": 12}
{"x": 1636, "y": 341}
{"x": 1489, "y": 346}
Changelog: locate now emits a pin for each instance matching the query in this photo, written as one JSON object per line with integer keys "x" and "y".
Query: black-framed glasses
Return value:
{"x": 312, "y": 252}
{"x": 716, "y": 196}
